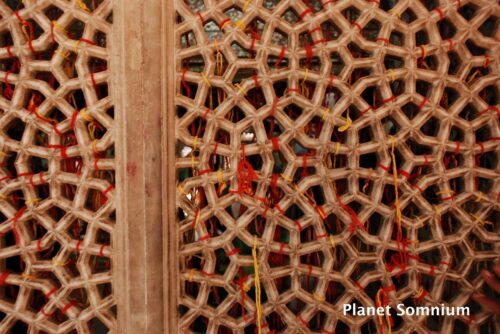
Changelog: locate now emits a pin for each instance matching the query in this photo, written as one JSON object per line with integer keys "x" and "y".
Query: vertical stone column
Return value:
{"x": 138, "y": 69}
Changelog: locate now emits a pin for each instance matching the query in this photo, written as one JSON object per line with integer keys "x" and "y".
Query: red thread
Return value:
{"x": 224, "y": 22}
{"x": 78, "y": 246}
{"x": 276, "y": 144}
{"x": 305, "y": 12}
{"x": 426, "y": 160}
{"x": 440, "y": 12}
{"x": 292, "y": 90}
{"x": 204, "y": 273}
{"x": 108, "y": 189}
{"x": 282, "y": 248}
{"x": 3, "y": 278}
{"x": 255, "y": 80}
{"x": 39, "y": 245}
{"x": 432, "y": 271}
{"x": 273, "y": 107}
{"x": 51, "y": 292}
{"x": 234, "y": 251}
{"x": 386, "y": 168}
{"x": 321, "y": 236}
{"x": 73, "y": 119}
{"x": 359, "y": 285}
{"x": 184, "y": 83}
{"x": 302, "y": 321}
{"x": 314, "y": 30}
{"x": 389, "y": 99}
{"x": 377, "y": 2}
{"x": 68, "y": 306}
{"x": 391, "y": 287}
{"x": 424, "y": 101}
{"x": 404, "y": 173}
{"x": 88, "y": 41}
{"x": 448, "y": 198}
{"x": 451, "y": 44}
{"x": 298, "y": 225}
{"x": 280, "y": 57}
{"x": 383, "y": 39}
{"x": 9, "y": 52}
{"x": 366, "y": 110}
{"x": 205, "y": 237}
{"x": 326, "y": 331}
{"x": 356, "y": 24}
{"x": 14, "y": 225}
{"x": 94, "y": 83}
{"x": 64, "y": 155}
{"x": 205, "y": 171}
{"x": 457, "y": 147}
{"x": 422, "y": 50}
{"x": 47, "y": 315}
{"x": 5, "y": 178}
{"x": 277, "y": 207}
{"x": 41, "y": 178}
{"x": 52, "y": 31}
{"x": 422, "y": 296}
{"x": 101, "y": 251}
{"x": 201, "y": 18}
{"x": 418, "y": 188}
{"x": 486, "y": 60}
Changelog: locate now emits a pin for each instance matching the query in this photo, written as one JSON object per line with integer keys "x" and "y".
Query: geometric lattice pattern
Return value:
{"x": 335, "y": 152}
{"x": 56, "y": 167}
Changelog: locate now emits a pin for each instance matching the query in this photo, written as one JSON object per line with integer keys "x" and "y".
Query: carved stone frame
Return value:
{"x": 141, "y": 63}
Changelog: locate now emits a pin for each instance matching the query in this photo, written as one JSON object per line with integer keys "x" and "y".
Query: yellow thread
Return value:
{"x": 347, "y": 125}
{"x": 196, "y": 217}
{"x": 393, "y": 76}
{"x": 28, "y": 276}
{"x": 240, "y": 24}
{"x": 62, "y": 54}
{"x": 395, "y": 175}
{"x": 326, "y": 112}
{"x": 205, "y": 79}
{"x": 181, "y": 190}
{"x": 319, "y": 297}
{"x": 286, "y": 177}
{"x": 58, "y": 27}
{"x": 75, "y": 46}
{"x": 58, "y": 263}
{"x": 479, "y": 197}
{"x": 82, "y": 5}
{"x": 85, "y": 116}
{"x": 241, "y": 89}
{"x": 219, "y": 175}
{"x": 246, "y": 5}
{"x": 32, "y": 200}
{"x": 94, "y": 146}
{"x": 395, "y": 12}
{"x": 418, "y": 293}
{"x": 191, "y": 273}
{"x": 480, "y": 221}
{"x": 257, "y": 285}
{"x": 337, "y": 148}
{"x": 195, "y": 143}
{"x": 3, "y": 154}
{"x": 3, "y": 197}
{"x": 91, "y": 127}
{"x": 25, "y": 32}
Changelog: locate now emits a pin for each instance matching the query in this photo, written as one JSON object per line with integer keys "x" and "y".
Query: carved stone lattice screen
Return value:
{"x": 56, "y": 167}
{"x": 331, "y": 153}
